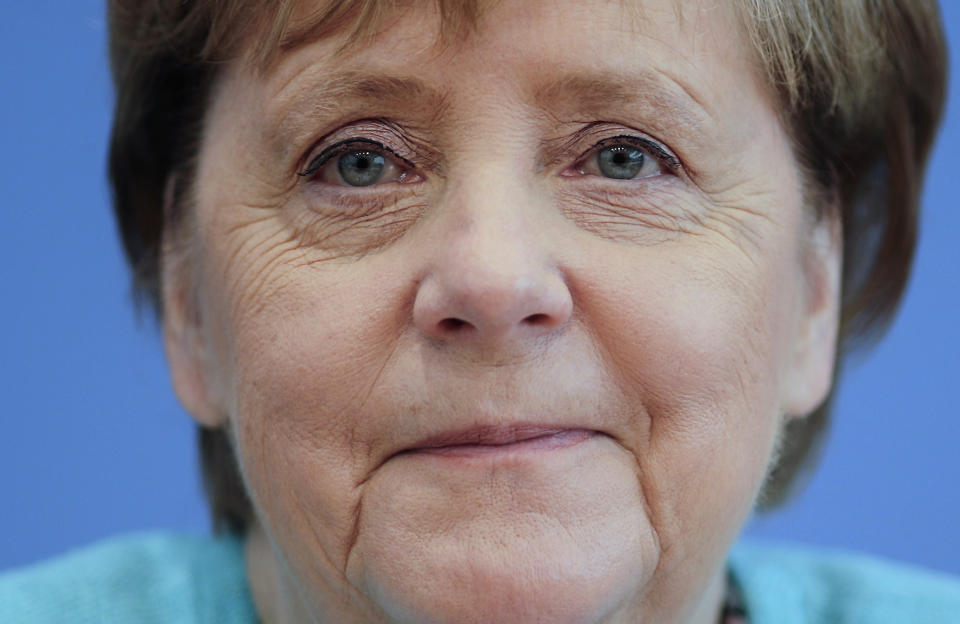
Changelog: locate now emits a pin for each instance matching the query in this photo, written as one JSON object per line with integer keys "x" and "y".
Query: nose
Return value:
{"x": 490, "y": 282}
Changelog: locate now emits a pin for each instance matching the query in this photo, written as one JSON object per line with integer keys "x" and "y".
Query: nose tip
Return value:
{"x": 492, "y": 274}
{"x": 487, "y": 306}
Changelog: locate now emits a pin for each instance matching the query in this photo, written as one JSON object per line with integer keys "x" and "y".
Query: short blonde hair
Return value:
{"x": 860, "y": 85}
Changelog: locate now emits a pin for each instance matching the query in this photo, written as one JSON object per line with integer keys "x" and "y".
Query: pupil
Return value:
{"x": 620, "y": 162}
{"x": 361, "y": 168}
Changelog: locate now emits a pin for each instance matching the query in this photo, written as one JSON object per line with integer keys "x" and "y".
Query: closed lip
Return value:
{"x": 498, "y": 435}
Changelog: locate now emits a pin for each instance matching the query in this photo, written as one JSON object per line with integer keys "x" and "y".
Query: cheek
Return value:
{"x": 697, "y": 340}
{"x": 306, "y": 354}
{"x": 692, "y": 327}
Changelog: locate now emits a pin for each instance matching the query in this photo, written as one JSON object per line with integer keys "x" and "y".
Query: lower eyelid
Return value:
{"x": 578, "y": 170}
{"x": 592, "y": 183}
{"x": 325, "y": 196}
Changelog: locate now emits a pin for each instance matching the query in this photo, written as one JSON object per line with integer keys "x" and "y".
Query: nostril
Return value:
{"x": 453, "y": 324}
{"x": 537, "y": 320}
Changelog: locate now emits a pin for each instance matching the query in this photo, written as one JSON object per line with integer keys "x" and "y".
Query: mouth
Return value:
{"x": 500, "y": 439}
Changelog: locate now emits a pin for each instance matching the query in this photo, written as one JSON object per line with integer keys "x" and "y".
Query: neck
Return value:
{"x": 710, "y": 608}
{"x": 274, "y": 599}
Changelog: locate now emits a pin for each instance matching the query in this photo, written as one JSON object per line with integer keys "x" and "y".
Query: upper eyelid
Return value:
{"x": 569, "y": 149}
{"x": 383, "y": 134}
{"x": 328, "y": 153}
{"x": 659, "y": 152}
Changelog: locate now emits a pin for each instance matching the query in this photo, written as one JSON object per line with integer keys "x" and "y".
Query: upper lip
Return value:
{"x": 489, "y": 435}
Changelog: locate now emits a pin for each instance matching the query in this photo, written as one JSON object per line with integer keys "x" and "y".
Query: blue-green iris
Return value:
{"x": 361, "y": 168}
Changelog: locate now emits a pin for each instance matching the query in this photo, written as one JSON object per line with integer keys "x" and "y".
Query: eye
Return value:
{"x": 357, "y": 162}
{"x": 621, "y": 162}
{"x": 361, "y": 168}
{"x": 627, "y": 158}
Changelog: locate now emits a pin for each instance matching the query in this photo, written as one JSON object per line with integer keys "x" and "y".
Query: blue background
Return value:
{"x": 93, "y": 443}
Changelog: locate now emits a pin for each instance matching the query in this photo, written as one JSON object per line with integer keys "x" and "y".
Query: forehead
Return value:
{"x": 557, "y": 51}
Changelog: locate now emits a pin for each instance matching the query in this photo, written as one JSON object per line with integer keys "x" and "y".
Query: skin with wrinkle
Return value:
{"x": 682, "y": 316}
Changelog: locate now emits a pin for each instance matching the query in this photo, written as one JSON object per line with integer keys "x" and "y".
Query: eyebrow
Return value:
{"x": 603, "y": 91}
{"x": 355, "y": 87}
{"x": 594, "y": 93}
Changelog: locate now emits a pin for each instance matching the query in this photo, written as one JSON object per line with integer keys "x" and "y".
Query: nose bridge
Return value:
{"x": 491, "y": 251}
{"x": 492, "y": 277}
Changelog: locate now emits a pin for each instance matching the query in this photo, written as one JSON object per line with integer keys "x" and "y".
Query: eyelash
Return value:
{"x": 649, "y": 146}
{"x": 349, "y": 145}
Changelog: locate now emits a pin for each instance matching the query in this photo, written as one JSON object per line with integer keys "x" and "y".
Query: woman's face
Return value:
{"x": 518, "y": 343}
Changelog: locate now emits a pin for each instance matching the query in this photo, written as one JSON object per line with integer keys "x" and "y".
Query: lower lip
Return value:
{"x": 549, "y": 442}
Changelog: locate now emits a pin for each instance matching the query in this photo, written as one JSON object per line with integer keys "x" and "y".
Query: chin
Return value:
{"x": 560, "y": 536}
{"x": 516, "y": 568}
{"x": 515, "y": 588}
